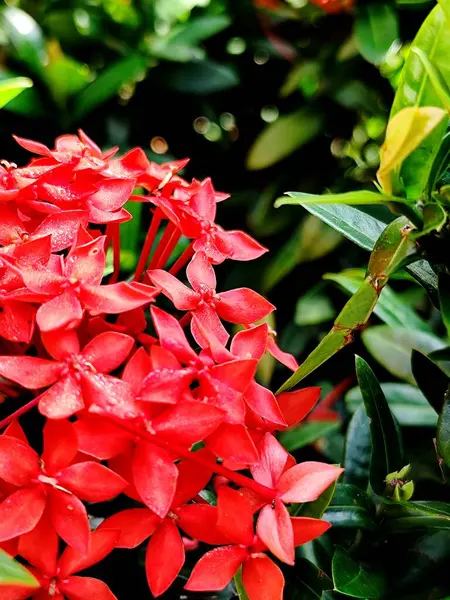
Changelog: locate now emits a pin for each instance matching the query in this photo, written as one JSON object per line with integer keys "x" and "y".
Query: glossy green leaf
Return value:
{"x": 353, "y": 198}
{"x": 436, "y": 79}
{"x": 404, "y": 517}
{"x": 14, "y": 574}
{"x": 434, "y": 219}
{"x": 390, "y": 308}
{"x": 391, "y": 248}
{"x": 358, "y": 449}
{"x": 108, "y": 82}
{"x": 405, "y": 132}
{"x": 408, "y": 405}
{"x": 432, "y": 381}
{"x": 443, "y": 430}
{"x": 315, "y": 509}
{"x": 392, "y": 347}
{"x": 199, "y": 29}
{"x": 351, "y": 508}
{"x": 287, "y": 134}
{"x": 10, "y": 88}
{"x": 200, "y": 77}
{"x": 354, "y": 224}
{"x": 387, "y": 451}
{"x": 356, "y": 579}
{"x": 306, "y": 433}
{"x": 376, "y": 29}
{"x": 308, "y": 581}
{"x": 444, "y": 298}
{"x": 28, "y": 102}
{"x": 312, "y": 240}
{"x": 415, "y": 90}
{"x": 25, "y": 38}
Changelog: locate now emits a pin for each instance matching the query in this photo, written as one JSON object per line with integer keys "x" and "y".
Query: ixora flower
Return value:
{"x": 139, "y": 403}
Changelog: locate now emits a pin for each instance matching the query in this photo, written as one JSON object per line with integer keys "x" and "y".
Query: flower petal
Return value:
{"x": 62, "y": 400}
{"x": 238, "y": 245}
{"x": 30, "y": 372}
{"x": 100, "y": 439}
{"x": 135, "y": 525}
{"x": 155, "y": 477}
{"x": 164, "y": 557}
{"x": 20, "y": 512}
{"x": 216, "y": 569}
{"x": 306, "y": 481}
{"x": 242, "y": 306}
{"x": 234, "y": 443}
{"x": 181, "y": 296}
{"x": 102, "y": 542}
{"x": 200, "y": 273}
{"x": 69, "y": 518}
{"x": 108, "y": 350}
{"x": 296, "y": 405}
{"x": 109, "y": 394}
{"x": 41, "y": 555}
{"x": 82, "y": 588}
{"x": 250, "y": 343}
{"x": 199, "y": 521}
{"x": 114, "y": 298}
{"x": 272, "y": 463}
{"x": 171, "y": 335}
{"x": 19, "y": 463}
{"x": 188, "y": 422}
{"x": 60, "y": 445}
{"x": 307, "y": 529}
{"x": 91, "y": 481}
{"x": 235, "y": 516}
{"x": 62, "y": 311}
{"x": 274, "y": 528}
{"x": 263, "y": 402}
{"x": 262, "y": 579}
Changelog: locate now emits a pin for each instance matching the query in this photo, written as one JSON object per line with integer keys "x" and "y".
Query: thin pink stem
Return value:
{"x": 182, "y": 260}
{"x": 250, "y": 484}
{"x": 165, "y": 238}
{"x": 148, "y": 244}
{"x": 19, "y": 412}
{"x": 170, "y": 247}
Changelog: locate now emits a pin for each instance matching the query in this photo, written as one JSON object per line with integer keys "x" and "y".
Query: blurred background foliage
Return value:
{"x": 264, "y": 96}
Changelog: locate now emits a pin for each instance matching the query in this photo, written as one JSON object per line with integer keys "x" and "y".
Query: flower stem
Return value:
{"x": 250, "y": 484}
{"x": 115, "y": 239}
{"x": 148, "y": 244}
{"x": 160, "y": 248}
{"x": 19, "y": 412}
{"x": 173, "y": 241}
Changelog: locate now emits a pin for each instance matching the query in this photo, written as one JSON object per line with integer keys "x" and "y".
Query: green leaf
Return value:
{"x": 306, "y": 434}
{"x": 444, "y": 299}
{"x": 287, "y": 134}
{"x": 391, "y": 308}
{"x": 313, "y": 308}
{"x": 354, "y": 578}
{"x": 10, "y": 88}
{"x": 358, "y": 449}
{"x": 242, "y": 594}
{"x": 436, "y": 79}
{"x": 405, "y": 517}
{"x": 415, "y": 90}
{"x": 27, "y": 103}
{"x": 387, "y": 452}
{"x": 25, "y": 37}
{"x": 443, "y": 430}
{"x": 392, "y": 347}
{"x": 376, "y": 29}
{"x": 354, "y": 224}
{"x": 13, "y": 573}
{"x": 200, "y": 77}
{"x": 108, "y": 82}
{"x": 351, "y": 508}
{"x": 64, "y": 75}
{"x": 432, "y": 381}
{"x": 312, "y": 240}
{"x": 434, "y": 219}
{"x": 309, "y": 582}
{"x": 405, "y": 132}
{"x": 315, "y": 509}
{"x": 355, "y": 198}
{"x": 391, "y": 248}
{"x": 408, "y": 405}
{"x": 198, "y": 29}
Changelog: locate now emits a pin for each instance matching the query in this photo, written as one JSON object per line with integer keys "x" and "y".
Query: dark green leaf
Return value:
{"x": 308, "y": 581}
{"x": 351, "y": 508}
{"x": 408, "y": 405}
{"x": 196, "y": 30}
{"x": 432, "y": 381}
{"x": 306, "y": 434}
{"x": 242, "y": 594}
{"x": 387, "y": 452}
{"x": 200, "y": 77}
{"x": 444, "y": 298}
{"x": 353, "y": 198}
{"x": 108, "y": 83}
{"x": 284, "y": 136}
{"x": 376, "y": 29}
{"x": 313, "y": 308}
{"x": 354, "y": 224}
{"x": 443, "y": 430}
{"x": 392, "y": 347}
{"x": 434, "y": 219}
{"x": 353, "y": 578}
{"x": 13, "y": 573}
{"x": 404, "y": 517}
{"x": 358, "y": 449}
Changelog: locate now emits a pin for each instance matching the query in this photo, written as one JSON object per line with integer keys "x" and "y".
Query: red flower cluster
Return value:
{"x": 163, "y": 416}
